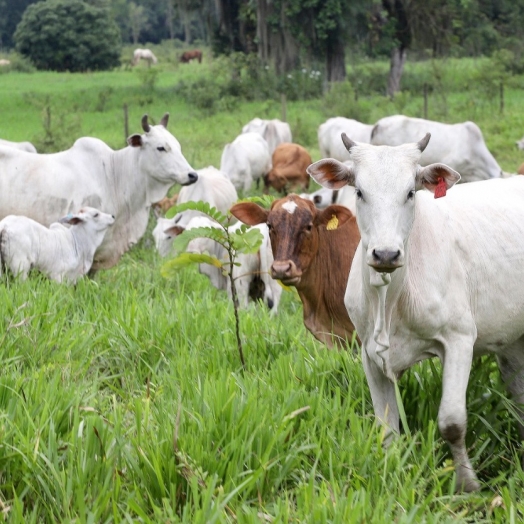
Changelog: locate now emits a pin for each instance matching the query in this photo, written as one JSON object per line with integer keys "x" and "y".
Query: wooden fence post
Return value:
{"x": 126, "y": 124}
{"x": 425, "y": 100}
{"x": 283, "y": 108}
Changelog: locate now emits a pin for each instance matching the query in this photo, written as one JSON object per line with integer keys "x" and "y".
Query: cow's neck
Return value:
{"x": 323, "y": 285}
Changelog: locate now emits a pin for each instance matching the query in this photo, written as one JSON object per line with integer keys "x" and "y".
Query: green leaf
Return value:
{"x": 246, "y": 240}
{"x": 203, "y": 207}
{"x": 185, "y": 259}
{"x": 181, "y": 241}
{"x": 264, "y": 200}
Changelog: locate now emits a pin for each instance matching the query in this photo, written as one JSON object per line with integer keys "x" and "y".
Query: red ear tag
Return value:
{"x": 440, "y": 190}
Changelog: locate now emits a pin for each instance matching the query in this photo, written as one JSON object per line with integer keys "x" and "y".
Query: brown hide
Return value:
{"x": 314, "y": 254}
{"x": 290, "y": 162}
{"x": 160, "y": 208}
{"x": 187, "y": 56}
{"x": 521, "y": 169}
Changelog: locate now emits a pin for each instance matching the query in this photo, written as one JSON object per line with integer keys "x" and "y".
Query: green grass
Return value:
{"x": 123, "y": 399}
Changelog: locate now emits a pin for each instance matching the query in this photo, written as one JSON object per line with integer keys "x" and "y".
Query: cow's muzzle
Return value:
{"x": 286, "y": 271}
{"x": 192, "y": 177}
{"x": 385, "y": 260}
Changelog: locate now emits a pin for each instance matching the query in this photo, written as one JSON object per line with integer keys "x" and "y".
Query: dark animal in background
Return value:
{"x": 187, "y": 56}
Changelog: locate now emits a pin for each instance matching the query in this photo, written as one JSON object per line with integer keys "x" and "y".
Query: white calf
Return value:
{"x": 59, "y": 252}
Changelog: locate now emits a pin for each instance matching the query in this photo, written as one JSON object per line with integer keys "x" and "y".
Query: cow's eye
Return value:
{"x": 411, "y": 194}
{"x": 161, "y": 148}
{"x": 96, "y": 214}
{"x": 309, "y": 227}
{"x": 358, "y": 193}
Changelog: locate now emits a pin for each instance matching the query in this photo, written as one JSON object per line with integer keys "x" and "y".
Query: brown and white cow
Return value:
{"x": 162, "y": 206}
{"x": 187, "y": 56}
{"x": 312, "y": 250}
{"x": 290, "y": 162}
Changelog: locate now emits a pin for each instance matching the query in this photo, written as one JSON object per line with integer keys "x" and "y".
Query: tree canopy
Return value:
{"x": 68, "y": 35}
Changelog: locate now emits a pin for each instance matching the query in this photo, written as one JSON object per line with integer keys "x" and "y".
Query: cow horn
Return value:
{"x": 164, "y": 120}
{"x": 347, "y": 141}
{"x": 422, "y": 144}
{"x": 145, "y": 125}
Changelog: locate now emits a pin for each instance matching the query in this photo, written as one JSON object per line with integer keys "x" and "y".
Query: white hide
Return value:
{"x": 250, "y": 266}
{"x": 22, "y": 146}
{"x": 61, "y": 253}
{"x": 125, "y": 183}
{"x": 212, "y": 187}
{"x": 245, "y": 160}
{"x": 329, "y": 136}
{"x": 274, "y": 131}
{"x": 324, "y": 197}
{"x": 144, "y": 54}
{"x": 458, "y": 287}
{"x": 460, "y": 146}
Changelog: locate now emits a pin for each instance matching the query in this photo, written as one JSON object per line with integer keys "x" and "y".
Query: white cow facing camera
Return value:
{"x": 61, "y": 253}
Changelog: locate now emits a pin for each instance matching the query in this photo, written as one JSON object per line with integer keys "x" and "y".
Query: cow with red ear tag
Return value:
{"x": 433, "y": 276}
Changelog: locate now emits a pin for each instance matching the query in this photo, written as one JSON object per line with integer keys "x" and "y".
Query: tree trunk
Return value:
{"x": 335, "y": 61}
{"x": 396, "y": 68}
{"x": 169, "y": 19}
{"x": 187, "y": 27}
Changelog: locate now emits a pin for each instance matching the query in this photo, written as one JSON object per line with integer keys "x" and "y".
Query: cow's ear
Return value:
{"x": 135, "y": 140}
{"x": 71, "y": 219}
{"x": 174, "y": 231}
{"x": 249, "y": 213}
{"x": 333, "y": 217}
{"x": 331, "y": 173}
{"x": 434, "y": 174}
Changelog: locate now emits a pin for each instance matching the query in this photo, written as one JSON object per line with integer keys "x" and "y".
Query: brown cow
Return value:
{"x": 521, "y": 169}
{"x": 313, "y": 250}
{"x": 290, "y": 162}
{"x": 160, "y": 208}
{"x": 187, "y": 56}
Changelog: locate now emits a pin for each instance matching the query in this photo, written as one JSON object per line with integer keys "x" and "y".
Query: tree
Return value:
{"x": 68, "y": 35}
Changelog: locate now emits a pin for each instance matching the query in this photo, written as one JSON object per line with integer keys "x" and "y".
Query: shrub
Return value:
{"x": 342, "y": 100}
{"x": 68, "y": 35}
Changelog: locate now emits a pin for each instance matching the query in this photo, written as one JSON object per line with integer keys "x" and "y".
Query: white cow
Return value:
{"x": 246, "y": 159}
{"x": 329, "y": 133}
{"x": 212, "y": 187}
{"x": 22, "y": 146}
{"x": 461, "y": 146}
{"x": 520, "y": 143}
{"x": 433, "y": 277}
{"x": 274, "y": 131}
{"x": 124, "y": 183}
{"x": 4, "y": 62}
{"x": 144, "y": 54}
{"x": 252, "y": 277}
{"x": 59, "y": 252}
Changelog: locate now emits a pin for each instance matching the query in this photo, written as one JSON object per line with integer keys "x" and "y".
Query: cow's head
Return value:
{"x": 293, "y": 224}
{"x": 385, "y": 180}
{"x": 161, "y": 156}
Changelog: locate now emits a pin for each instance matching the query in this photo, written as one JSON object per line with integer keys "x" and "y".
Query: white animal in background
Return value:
{"x": 329, "y": 132}
{"x": 252, "y": 277}
{"x": 460, "y": 146}
{"x": 4, "y": 62}
{"x": 22, "y": 146}
{"x": 144, "y": 54}
{"x": 59, "y": 252}
{"x": 274, "y": 131}
{"x": 124, "y": 183}
{"x": 246, "y": 159}
{"x": 520, "y": 143}
{"x": 433, "y": 277}
{"x": 212, "y": 187}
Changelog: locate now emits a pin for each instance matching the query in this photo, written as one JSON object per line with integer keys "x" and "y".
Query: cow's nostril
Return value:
{"x": 193, "y": 177}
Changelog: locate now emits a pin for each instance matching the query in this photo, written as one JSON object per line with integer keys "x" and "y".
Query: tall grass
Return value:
{"x": 122, "y": 399}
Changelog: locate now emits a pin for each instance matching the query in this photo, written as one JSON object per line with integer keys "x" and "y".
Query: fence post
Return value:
{"x": 126, "y": 124}
{"x": 425, "y": 100}
{"x": 283, "y": 103}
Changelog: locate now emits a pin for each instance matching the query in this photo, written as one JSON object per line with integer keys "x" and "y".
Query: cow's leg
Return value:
{"x": 452, "y": 415}
{"x": 511, "y": 365}
{"x": 383, "y": 397}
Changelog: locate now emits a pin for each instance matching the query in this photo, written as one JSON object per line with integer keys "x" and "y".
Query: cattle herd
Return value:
{"x": 388, "y": 251}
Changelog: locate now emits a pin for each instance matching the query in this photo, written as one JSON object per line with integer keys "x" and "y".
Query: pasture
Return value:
{"x": 123, "y": 399}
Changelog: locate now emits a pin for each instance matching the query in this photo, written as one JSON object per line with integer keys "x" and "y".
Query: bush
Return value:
{"x": 342, "y": 100}
{"x": 68, "y": 35}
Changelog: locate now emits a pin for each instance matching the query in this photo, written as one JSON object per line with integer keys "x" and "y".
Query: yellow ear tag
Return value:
{"x": 333, "y": 223}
